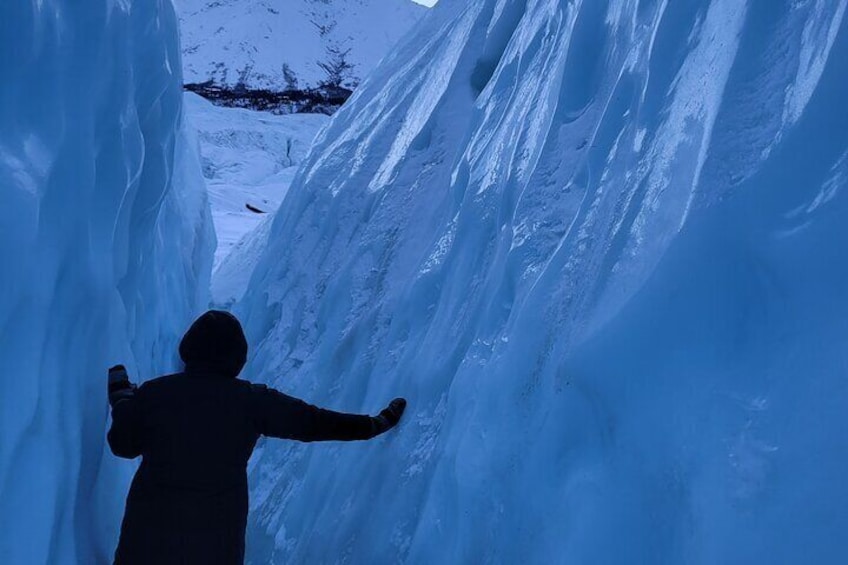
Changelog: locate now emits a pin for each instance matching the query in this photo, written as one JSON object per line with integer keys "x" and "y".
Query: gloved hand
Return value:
{"x": 390, "y": 415}
{"x": 120, "y": 387}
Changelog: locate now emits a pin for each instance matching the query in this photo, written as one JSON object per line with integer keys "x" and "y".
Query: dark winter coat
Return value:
{"x": 195, "y": 432}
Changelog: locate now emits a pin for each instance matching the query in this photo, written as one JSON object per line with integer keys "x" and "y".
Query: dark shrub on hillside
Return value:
{"x": 322, "y": 100}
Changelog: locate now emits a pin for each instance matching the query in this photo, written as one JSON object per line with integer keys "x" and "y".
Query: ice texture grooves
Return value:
{"x": 106, "y": 249}
{"x": 600, "y": 246}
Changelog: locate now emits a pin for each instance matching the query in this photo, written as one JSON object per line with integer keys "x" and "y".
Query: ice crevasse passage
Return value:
{"x": 600, "y": 246}
{"x": 106, "y": 247}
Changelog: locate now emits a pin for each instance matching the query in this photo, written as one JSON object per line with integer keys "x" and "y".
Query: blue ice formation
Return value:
{"x": 106, "y": 246}
{"x": 601, "y": 247}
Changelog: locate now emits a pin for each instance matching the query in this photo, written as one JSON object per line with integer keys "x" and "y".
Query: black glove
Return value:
{"x": 120, "y": 387}
{"x": 390, "y": 415}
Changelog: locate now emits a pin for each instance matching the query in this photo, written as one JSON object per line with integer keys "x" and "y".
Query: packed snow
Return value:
{"x": 107, "y": 246}
{"x": 283, "y": 45}
{"x": 249, "y": 159}
{"x": 599, "y": 246}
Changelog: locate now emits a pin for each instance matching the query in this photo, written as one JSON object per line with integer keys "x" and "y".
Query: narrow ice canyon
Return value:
{"x": 599, "y": 246}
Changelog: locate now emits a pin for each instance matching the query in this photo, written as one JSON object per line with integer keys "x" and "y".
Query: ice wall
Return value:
{"x": 600, "y": 246}
{"x": 106, "y": 250}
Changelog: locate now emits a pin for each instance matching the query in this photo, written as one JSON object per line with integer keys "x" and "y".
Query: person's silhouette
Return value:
{"x": 195, "y": 431}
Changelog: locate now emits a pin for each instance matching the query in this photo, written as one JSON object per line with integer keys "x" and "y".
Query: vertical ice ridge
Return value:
{"x": 581, "y": 271}
{"x": 106, "y": 247}
{"x": 818, "y": 36}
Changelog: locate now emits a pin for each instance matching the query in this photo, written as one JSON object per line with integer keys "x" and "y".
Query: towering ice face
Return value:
{"x": 600, "y": 246}
{"x": 106, "y": 249}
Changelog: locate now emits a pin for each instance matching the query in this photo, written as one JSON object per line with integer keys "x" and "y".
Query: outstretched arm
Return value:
{"x": 123, "y": 436}
{"x": 282, "y": 416}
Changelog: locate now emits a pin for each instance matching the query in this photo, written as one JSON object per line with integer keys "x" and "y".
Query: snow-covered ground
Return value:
{"x": 253, "y": 41}
{"x": 249, "y": 159}
{"x": 600, "y": 246}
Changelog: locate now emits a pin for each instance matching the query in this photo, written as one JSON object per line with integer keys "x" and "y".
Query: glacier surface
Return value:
{"x": 106, "y": 248}
{"x": 600, "y": 247}
{"x": 248, "y": 158}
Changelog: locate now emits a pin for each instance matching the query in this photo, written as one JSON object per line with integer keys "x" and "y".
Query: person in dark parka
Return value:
{"x": 195, "y": 431}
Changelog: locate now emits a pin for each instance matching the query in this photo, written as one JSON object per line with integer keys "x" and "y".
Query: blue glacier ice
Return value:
{"x": 601, "y": 247}
{"x": 106, "y": 253}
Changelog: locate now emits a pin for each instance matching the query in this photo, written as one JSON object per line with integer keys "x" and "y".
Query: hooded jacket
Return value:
{"x": 195, "y": 431}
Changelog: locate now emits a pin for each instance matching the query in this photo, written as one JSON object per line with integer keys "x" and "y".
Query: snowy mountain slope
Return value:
{"x": 599, "y": 246}
{"x": 106, "y": 250}
{"x": 281, "y": 45}
{"x": 249, "y": 159}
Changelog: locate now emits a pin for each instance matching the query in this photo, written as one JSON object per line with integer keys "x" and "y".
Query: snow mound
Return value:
{"x": 106, "y": 250}
{"x": 232, "y": 275}
{"x": 600, "y": 248}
